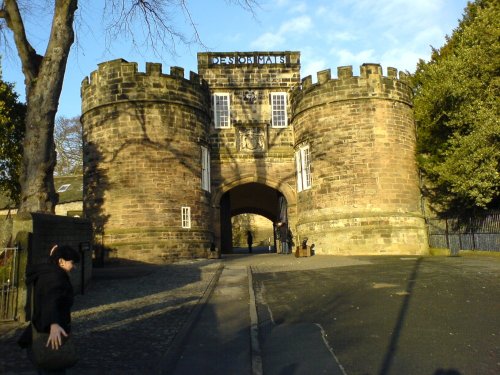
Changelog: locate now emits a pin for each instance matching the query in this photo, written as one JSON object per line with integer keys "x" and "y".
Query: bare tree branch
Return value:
{"x": 69, "y": 146}
{"x": 44, "y": 75}
{"x": 29, "y": 58}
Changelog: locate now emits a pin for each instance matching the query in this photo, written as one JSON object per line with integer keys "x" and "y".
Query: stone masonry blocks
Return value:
{"x": 143, "y": 134}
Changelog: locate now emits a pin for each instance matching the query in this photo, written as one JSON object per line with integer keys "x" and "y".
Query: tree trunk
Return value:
{"x": 43, "y": 89}
{"x": 39, "y": 157}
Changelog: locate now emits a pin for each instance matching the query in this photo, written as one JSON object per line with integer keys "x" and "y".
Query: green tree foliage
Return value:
{"x": 457, "y": 114}
{"x": 12, "y": 114}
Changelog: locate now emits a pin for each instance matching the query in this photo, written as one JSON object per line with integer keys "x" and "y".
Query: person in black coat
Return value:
{"x": 249, "y": 241}
{"x": 283, "y": 235}
{"x": 53, "y": 295}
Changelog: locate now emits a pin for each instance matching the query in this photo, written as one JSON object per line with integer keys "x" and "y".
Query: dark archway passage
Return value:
{"x": 252, "y": 198}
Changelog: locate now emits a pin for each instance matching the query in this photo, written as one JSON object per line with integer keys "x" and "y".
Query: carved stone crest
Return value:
{"x": 252, "y": 140}
{"x": 249, "y": 96}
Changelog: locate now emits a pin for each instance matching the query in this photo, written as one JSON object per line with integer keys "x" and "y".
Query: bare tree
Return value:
{"x": 69, "y": 146}
{"x": 44, "y": 74}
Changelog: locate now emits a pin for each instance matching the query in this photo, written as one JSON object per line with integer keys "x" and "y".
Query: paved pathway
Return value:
{"x": 220, "y": 340}
{"x": 127, "y": 319}
{"x": 197, "y": 315}
{"x": 132, "y": 317}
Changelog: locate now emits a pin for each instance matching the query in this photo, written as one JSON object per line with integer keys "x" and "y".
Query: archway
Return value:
{"x": 248, "y": 198}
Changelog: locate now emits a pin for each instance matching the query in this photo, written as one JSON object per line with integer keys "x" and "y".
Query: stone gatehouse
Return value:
{"x": 168, "y": 160}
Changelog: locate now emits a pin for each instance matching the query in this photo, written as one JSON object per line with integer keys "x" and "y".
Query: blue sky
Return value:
{"x": 328, "y": 33}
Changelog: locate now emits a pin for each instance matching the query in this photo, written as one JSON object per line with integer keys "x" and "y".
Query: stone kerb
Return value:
{"x": 120, "y": 81}
{"x": 370, "y": 84}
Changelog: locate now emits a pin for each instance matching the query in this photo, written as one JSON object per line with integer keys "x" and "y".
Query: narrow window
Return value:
{"x": 186, "y": 217}
{"x": 298, "y": 164}
{"x": 221, "y": 111}
{"x": 303, "y": 164}
{"x": 205, "y": 169}
{"x": 278, "y": 109}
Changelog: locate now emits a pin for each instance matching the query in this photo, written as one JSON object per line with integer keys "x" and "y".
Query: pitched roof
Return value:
{"x": 69, "y": 188}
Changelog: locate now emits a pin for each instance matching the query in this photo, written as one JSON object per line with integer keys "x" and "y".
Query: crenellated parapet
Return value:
{"x": 143, "y": 133}
{"x": 161, "y": 158}
{"x": 370, "y": 84}
{"x": 120, "y": 81}
{"x": 360, "y": 135}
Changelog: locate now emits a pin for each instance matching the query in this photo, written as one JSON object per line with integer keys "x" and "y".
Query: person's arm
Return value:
{"x": 55, "y": 336}
{"x": 51, "y": 300}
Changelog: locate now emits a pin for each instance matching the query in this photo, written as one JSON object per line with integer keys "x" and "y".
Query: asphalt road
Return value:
{"x": 392, "y": 315}
{"x": 316, "y": 315}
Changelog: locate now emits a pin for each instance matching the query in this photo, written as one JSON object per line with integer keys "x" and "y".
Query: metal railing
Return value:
{"x": 9, "y": 282}
{"x": 478, "y": 233}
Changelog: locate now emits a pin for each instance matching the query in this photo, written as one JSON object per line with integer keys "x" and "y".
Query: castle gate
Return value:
{"x": 250, "y": 198}
{"x": 168, "y": 160}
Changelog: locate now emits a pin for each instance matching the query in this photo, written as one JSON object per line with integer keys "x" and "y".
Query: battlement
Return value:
{"x": 367, "y": 71}
{"x": 371, "y": 83}
{"x": 146, "y": 134}
{"x": 123, "y": 68}
{"x": 119, "y": 80}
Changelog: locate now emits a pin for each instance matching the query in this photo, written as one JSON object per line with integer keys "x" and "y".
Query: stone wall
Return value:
{"x": 250, "y": 87}
{"x": 143, "y": 134}
{"x": 365, "y": 195}
{"x": 64, "y": 208}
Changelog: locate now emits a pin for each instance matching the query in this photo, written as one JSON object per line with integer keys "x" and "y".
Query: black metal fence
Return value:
{"x": 9, "y": 282}
{"x": 478, "y": 233}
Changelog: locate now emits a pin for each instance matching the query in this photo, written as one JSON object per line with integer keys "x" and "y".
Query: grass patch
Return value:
{"x": 437, "y": 251}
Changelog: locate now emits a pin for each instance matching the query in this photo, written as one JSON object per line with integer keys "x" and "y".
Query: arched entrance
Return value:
{"x": 251, "y": 198}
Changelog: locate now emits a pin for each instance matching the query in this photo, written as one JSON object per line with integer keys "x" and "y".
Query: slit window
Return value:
{"x": 205, "y": 169}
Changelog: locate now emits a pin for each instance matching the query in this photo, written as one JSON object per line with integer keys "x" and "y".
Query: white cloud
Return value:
{"x": 343, "y": 36}
{"x": 313, "y": 67}
{"x": 292, "y": 6}
{"x": 401, "y": 59}
{"x": 393, "y": 33}
{"x": 346, "y": 57}
{"x": 297, "y": 25}
{"x": 294, "y": 27}
{"x": 333, "y": 15}
{"x": 281, "y": 3}
{"x": 398, "y": 9}
{"x": 299, "y": 8}
{"x": 268, "y": 41}
{"x": 430, "y": 36}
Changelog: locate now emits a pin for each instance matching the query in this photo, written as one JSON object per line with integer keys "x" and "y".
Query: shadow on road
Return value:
{"x": 393, "y": 345}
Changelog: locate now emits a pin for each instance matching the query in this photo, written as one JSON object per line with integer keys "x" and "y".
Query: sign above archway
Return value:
{"x": 251, "y": 58}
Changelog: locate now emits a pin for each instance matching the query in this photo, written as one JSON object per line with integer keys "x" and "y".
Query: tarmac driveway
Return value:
{"x": 392, "y": 315}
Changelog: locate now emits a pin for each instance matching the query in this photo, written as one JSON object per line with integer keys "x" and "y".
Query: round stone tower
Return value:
{"x": 364, "y": 191}
{"x": 143, "y": 140}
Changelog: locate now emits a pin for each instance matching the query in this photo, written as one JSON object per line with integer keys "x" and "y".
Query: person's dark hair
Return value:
{"x": 65, "y": 252}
